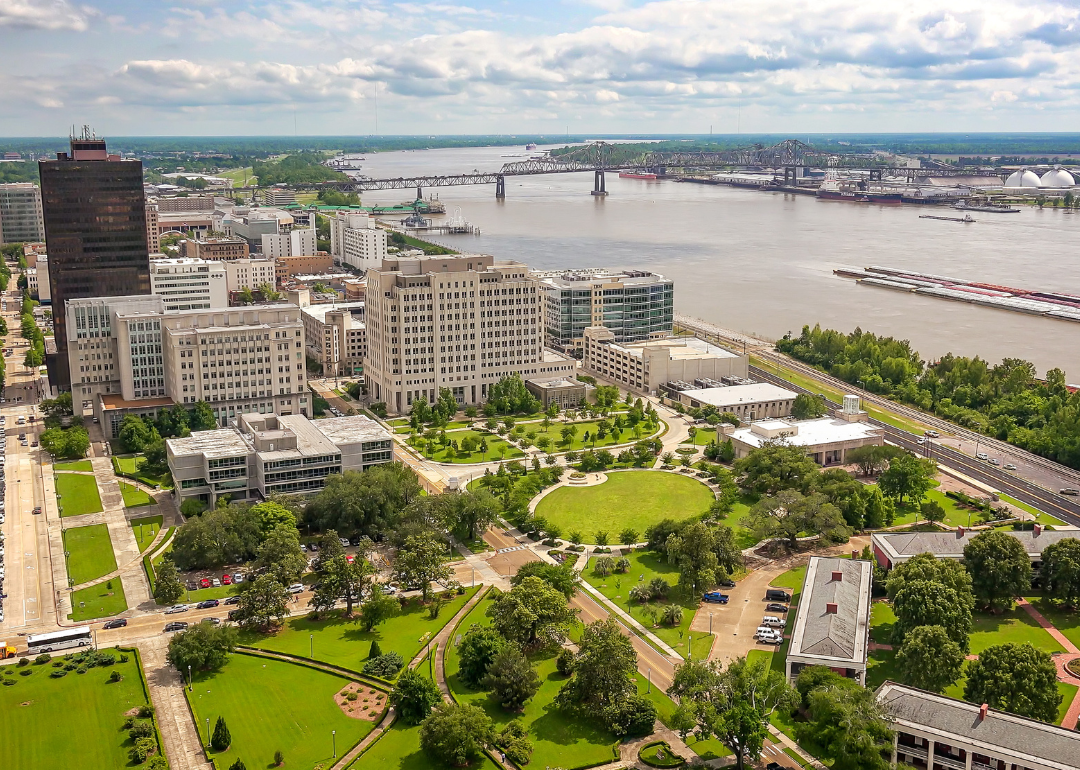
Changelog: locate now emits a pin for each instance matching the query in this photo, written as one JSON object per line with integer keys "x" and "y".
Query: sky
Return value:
{"x": 358, "y": 67}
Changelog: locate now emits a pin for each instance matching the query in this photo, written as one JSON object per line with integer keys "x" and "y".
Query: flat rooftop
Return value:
{"x": 550, "y": 356}
{"x": 1026, "y": 742}
{"x": 584, "y": 278}
{"x": 352, "y": 429}
{"x": 735, "y": 395}
{"x": 319, "y": 312}
{"x": 558, "y": 382}
{"x": 825, "y": 430}
{"x": 950, "y": 545}
{"x": 679, "y": 348}
{"x": 833, "y": 637}
{"x": 223, "y": 442}
{"x": 116, "y": 401}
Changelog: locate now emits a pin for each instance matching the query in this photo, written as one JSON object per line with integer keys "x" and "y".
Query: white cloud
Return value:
{"x": 49, "y": 15}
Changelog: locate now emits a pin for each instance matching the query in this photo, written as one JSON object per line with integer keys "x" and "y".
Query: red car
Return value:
{"x": 226, "y": 579}
{"x": 350, "y": 558}
{"x": 205, "y": 582}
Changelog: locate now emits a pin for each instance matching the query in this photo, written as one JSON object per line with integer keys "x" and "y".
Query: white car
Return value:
{"x": 1009, "y": 467}
{"x": 980, "y": 456}
{"x": 176, "y": 608}
{"x": 238, "y": 577}
{"x": 995, "y": 461}
{"x": 344, "y": 542}
{"x": 296, "y": 588}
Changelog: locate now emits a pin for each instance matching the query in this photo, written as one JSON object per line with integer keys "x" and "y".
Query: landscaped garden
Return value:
{"x": 560, "y": 739}
{"x": 133, "y": 496}
{"x": 497, "y": 448}
{"x": 89, "y": 552}
{"x": 77, "y": 494}
{"x": 344, "y": 642}
{"x": 628, "y": 499}
{"x": 272, "y": 705}
{"x": 74, "y": 465}
{"x": 645, "y": 567}
{"x": 42, "y": 729}
{"x": 146, "y": 530}
{"x": 132, "y": 465}
{"x": 101, "y": 600}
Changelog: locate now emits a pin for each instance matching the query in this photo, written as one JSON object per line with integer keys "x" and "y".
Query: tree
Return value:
{"x": 68, "y": 444}
{"x": 57, "y": 407}
{"x": 271, "y": 515}
{"x": 562, "y": 577}
{"x": 628, "y": 536}
{"x": 532, "y": 613}
{"x": 420, "y": 561}
{"x": 467, "y": 514}
{"x": 167, "y": 585}
{"x": 511, "y": 679}
{"x": 880, "y": 510}
{"x": 281, "y": 555}
{"x": 201, "y": 647}
{"x": 807, "y": 406}
{"x": 1000, "y": 569}
{"x": 873, "y": 458}
{"x": 377, "y": 609}
{"x": 926, "y": 566}
{"x": 456, "y": 734}
{"x": 849, "y": 725}
{"x": 929, "y": 659}
{"x": 908, "y": 477}
{"x": 514, "y": 742}
{"x": 134, "y": 433}
{"x": 735, "y": 703}
{"x": 704, "y": 554}
{"x": 263, "y": 601}
{"x": 1015, "y": 677}
{"x": 789, "y": 513}
{"x": 775, "y": 466}
{"x": 413, "y": 696}
{"x": 228, "y": 535}
{"x": 849, "y": 495}
{"x": 345, "y": 579}
{"x": 1060, "y": 573}
{"x": 202, "y": 417}
{"x": 222, "y": 739}
{"x": 604, "y": 670}
{"x": 238, "y": 765}
{"x": 476, "y": 650}
{"x": 926, "y": 603}
{"x": 365, "y": 503}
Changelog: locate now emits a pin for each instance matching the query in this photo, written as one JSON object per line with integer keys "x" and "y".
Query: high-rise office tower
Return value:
{"x": 95, "y": 232}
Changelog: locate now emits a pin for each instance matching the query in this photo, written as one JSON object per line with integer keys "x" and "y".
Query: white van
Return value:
{"x": 772, "y": 621}
{"x": 773, "y": 637}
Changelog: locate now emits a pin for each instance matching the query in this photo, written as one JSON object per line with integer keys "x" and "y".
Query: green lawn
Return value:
{"x": 98, "y": 601}
{"x": 1065, "y": 620}
{"x": 90, "y": 552}
{"x": 498, "y": 449}
{"x": 882, "y": 619}
{"x": 1013, "y": 627}
{"x": 793, "y": 581}
{"x": 41, "y": 730}
{"x": 132, "y": 464}
{"x": 146, "y": 529}
{"x": 344, "y": 643}
{"x": 554, "y": 433}
{"x": 1041, "y": 517}
{"x": 559, "y": 739}
{"x": 644, "y": 566}
{"x": 635, "y": 499}
{"x": 74, "y": 465}
{"x": 134, "y": 497}
{"x": 272, "y": 705}
{"x": 77, "y": 494}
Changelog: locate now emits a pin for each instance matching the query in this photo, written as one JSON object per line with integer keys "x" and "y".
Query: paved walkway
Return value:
{"x": 182, "y": 743}
{"x": 1071, "y": 653}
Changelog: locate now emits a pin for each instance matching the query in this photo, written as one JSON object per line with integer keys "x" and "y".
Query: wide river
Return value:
{"x": 762, "y": 262}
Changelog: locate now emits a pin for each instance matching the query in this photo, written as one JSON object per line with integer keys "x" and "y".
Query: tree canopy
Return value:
{"x": 789, "y": 514}
{"x": 775, "y": 466}
{"x": 1000, "y": 569}
{"x": 929, "y": 659}
{"x": 928, "y": 603}
{"x": 364, "y": 503}
{"x": 532, "y": 613}
{"x": 1015, "y": 677}
{"x": 1060, "y": 572}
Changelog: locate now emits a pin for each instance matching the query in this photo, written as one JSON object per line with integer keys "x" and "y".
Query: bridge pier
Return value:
{"x": 500, "y": 187}
{"x": 790, "y": 176}
{"x": 598, "y": 183}
{"x": 419, "y": 193}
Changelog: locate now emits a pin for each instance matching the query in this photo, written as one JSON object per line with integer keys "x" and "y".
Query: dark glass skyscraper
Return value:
{"x": 95, "y": 232}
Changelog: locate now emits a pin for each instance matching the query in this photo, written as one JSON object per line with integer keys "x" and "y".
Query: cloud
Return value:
{"x": 50, "y": 15}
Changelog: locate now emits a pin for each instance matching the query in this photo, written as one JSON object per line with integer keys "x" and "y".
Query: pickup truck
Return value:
{"x": 715, "y": 597}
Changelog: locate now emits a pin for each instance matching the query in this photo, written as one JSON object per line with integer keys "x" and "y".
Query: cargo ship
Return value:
{"x": 834, "y": 188}
{"x": 992, "y": 208}
{"x": 636, "y": 175}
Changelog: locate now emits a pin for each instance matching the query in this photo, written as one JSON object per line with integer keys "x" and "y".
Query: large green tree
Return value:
{"x": 413, "y": 696}
{"x": 926, "y": 566}
{"x": 908, "y": 478}
{"x": 1000, "y": 569}
{"x": 929, "y": 659}
{"x": 927, "y": 603}
{"x": 604, "y": 669}
{"x": 1015, "y": 677}
{"x": 789, "y": 514}
{"x": 808, "y": 406}
{"x": 365, "y": 503}
{"x": 845, "y": 492}
{"x": 510, "y": 678}
{"x": 775, "y": 466}
{"x": 280, "y": 554}
{"x": 201, "y": 647}
{"x": 456, "y": 735}
{"x": 563, "y": 577}
{"x": 532, "y": 613}
{"x": 477, "y": 648}
{"x": 1060, "y": 573}
{"x": 263, "y": 601}
{"x": 420, "y": 561}
{"x": 704, "y": 554}
{"x": 229, "y": 535}
{"x": 168, "y": 588}
{"x": 202, "y": 417}
{"x": 849, "y": 725}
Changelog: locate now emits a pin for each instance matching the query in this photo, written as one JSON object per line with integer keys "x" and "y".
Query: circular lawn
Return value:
{"x": 634, "y": 499}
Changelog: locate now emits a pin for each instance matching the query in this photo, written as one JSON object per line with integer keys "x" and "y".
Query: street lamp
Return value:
{"x": 311, "y": 646}
{"x": 710, "y": 622}
{"x": 333, "y": 737}
{"x": 208, "y": 733}
{"x": 189, "y": 678}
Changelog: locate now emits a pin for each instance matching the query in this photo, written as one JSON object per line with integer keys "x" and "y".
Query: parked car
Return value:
{"x": 216, "y": 582}
{"x": 773, "y": 622}
{"x": 232, "y": 600}
{"x": 191, "y": 585}
{"x": 238, "y": 577}
{"x": 233, "y": 614}
{"x": 176, "y": 608}
{"x": 345, "y": 542}
{"x": 296, "y": 588}
{"x": 774, "y": 607}
{"x": 176, "y": 625}
{"x": 207, "y": 604}
{"x": 37, "y": 510}
{"x": 776, "y": 639}
{"x": 313, "y": 547}
{"x": 727, "y": 583}
{"x": 205, "y": 582}
{"x": 715, "y": 597}
{"x": 350, "y": 558}
{"x": 212, "y": 621}
{"x": 118, "y": 623}
{"x": 776, "y": 595}
{"x": 226, "y": 579}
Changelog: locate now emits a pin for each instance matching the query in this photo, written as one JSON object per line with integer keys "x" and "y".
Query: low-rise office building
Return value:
{"x": 288, "y": 267}
{"x": 294, "y": 243}
{"x": 756, "y": 401}
{"x": 249, "y": 274}
{"x": 189, "y": 284}
{"x": 832, "y": 620}
{"x": 826, "y": 439}
{"x": 175, "y": 204}
{"x": 893, "y": 548}
{"x": 646, "y": 366}
{"x": 336, "y": 337}
{"x": 214, "y": 249}
{"x": 198, "y": 223}
{"x": 265, "y": 454}
{"x": 940, "y": 733}
{"x": 564, "y": 392}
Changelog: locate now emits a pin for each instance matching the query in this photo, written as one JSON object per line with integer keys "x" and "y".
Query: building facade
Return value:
{"x": 289, "y": 267}
{"x": 95, "y": 229}
{"x": 250, "y": 274}
{"x": 268, "y": 454}
{"x": 635, "y": 305}
{"x": 827, "y": 440}
{"x": 21, "y": 217}
{"x": 647, "y": 366}
{"x": 461, "y": 322}
{"x": 277, "y": 196}
{"x": 44, "y": 288}
{"x": 295, "y": 243}
{"x": 189, "y": 284}
{"x": 754, "y": 401}
{"x": 186, "y": 203}
{"x": 153, "y": 229}
{"x": 564, "y": 392}
{"x": 214, "y": 249}
{"x": 336, "y": 337}
{"x": 893, "y": 548}
{"x": 356, "y": 241}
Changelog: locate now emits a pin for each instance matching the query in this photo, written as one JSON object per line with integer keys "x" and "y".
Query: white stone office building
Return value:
{"x": 250, "y": 274}
{"x": 461, "y": 322}
{"x": 356, "y": 241}
{"x": 189, "y": 284}
{"x": 635, "y": 305}
{"x": 826, "y": 439}
{"x": 265, "y": 454}
{"x": 755, "y": 401}
{"x": 129, "y": 356}
{"x": 336, "y": 337}
{"x": 21, "y": 217}
{"x": 295, "y": 243}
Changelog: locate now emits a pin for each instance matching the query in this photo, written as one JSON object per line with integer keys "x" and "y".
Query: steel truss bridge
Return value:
{"x": 599, "y": 157}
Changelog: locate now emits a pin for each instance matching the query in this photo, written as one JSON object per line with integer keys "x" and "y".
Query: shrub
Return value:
{"x": 564, "y": 663}
{"x": 375, "y": 650}
{"x": 9, "y": 682}
{"x": 23, "y": 662}
{"x": 128, "y": 722}
{"x": 146, "y": 711}
{"x": 70, "y": 666}
{"x": 633, "y": 717}
{"x": 58, "y": 663}
{"x": 124, "y": 658}
{"x": 142, "y": 730}
{"x": 673, "y": 615}
{"x": 515, "y": 744}
{"x": 104, "y": 659}
{"x": 42, "y": 659}
{"x": 115, "y": 676}
{"x": 26, "y": 672}
{"x": 385, "y": 666}
{"x": 142, "y": 749}
{"x": 81, "y": 669}
{"x": 279, "y": 758}
{"x": 221, "y": 739}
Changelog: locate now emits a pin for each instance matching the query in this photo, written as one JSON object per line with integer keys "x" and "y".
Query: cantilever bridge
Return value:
{"x": 599, "y": 157}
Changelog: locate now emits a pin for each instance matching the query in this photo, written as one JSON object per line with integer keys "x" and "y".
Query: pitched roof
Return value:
{"x": 950, "y": 545}
{"x": 839, "y": 636}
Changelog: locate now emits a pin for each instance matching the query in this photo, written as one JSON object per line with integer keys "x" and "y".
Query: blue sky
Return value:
{"x": 673, "y": 66}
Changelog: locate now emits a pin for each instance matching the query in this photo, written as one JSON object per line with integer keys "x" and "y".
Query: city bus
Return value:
{"x": 59, "y": 640}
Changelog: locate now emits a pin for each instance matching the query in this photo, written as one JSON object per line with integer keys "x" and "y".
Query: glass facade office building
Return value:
{"x": 95, "y": 233}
